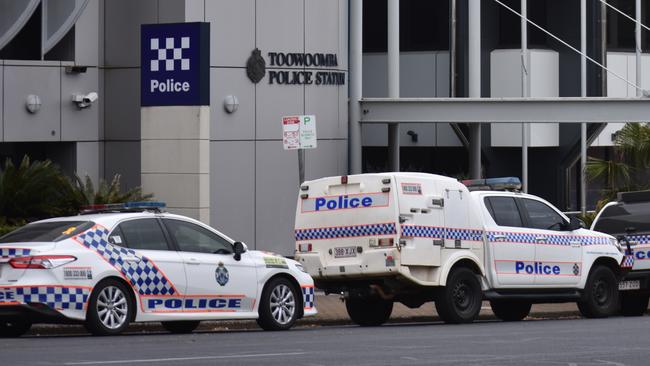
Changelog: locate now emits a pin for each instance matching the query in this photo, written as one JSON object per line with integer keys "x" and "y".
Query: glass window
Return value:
{"x": 47, "y": 231}
{"x": 194, "y": 238}
{"x": 144, "y": 234}
{"x": 621, "y": 218}
{"x": 504, "y": 211}
{"x": 541, "y": 216}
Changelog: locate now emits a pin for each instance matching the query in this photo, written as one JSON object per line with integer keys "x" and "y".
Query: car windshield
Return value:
{"x": 46, "y": 231}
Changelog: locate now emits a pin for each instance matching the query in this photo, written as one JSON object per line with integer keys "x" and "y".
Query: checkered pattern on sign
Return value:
{"x": 531, "y": 238}
{"x": 59, "y": 298}
{"x": 415, "y": 231}
{"x": 170, "y": 54}
{"x": 308, "y": 297}
{"x": 142, "y": 273}
{"x": 628, "y": 261}
{"x": 8, "y": 253}
{"x": 345, "y": 232}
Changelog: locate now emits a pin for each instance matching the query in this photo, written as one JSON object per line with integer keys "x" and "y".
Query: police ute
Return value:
{"x": 411, "y": 238}
{"x": 628, "y": 218}
{"x": 122, "y": 263}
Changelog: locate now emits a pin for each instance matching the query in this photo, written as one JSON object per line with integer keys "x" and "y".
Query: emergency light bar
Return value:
{"x": 493, "y": 184}
{"x": 126, "y": 206}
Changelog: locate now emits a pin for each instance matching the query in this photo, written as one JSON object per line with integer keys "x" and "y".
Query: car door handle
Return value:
{"x": 193, "y": 261}
{"x": 540, "y": 239}
{"x": 575, "y": 243}
{"x": 131, "y": 259}
{"x": 499, "y": 237}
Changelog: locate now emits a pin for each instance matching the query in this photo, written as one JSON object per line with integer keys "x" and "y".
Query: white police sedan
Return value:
{"x": 133, "y": 263}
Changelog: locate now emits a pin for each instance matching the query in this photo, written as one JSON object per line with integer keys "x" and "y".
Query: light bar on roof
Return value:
{"x": 145, "y": 205}
{"x": 493, "y": 184}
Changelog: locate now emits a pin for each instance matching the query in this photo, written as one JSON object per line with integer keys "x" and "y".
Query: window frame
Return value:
{"x": 172, "y": 239}
{"x": 125, "y": 244}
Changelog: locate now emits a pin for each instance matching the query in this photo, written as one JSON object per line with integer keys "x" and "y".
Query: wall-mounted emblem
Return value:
{"x": 256, "y": 66}
{"x": 221, "y": 274}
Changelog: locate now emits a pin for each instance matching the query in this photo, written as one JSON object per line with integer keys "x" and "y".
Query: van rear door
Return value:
{"x": 342, "y": 217}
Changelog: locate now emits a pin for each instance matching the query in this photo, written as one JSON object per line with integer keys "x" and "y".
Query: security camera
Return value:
{"x": 84, "y": 101}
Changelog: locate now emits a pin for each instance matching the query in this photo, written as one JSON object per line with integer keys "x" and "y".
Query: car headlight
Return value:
{"x": 616, "y": 244}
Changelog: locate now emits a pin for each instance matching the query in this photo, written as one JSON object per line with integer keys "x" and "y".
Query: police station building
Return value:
{"x": 186, "y": 97}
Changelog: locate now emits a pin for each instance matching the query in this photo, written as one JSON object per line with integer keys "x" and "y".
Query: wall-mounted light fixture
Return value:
{"x": 33, "y": 103}
{"x": 414, "y": 135}
{"x": 84, "y": 101}
{"x": 231, "y": 103}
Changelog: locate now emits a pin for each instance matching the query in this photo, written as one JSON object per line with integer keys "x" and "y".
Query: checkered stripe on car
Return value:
{"x": 308, "y": 296}
{"x": 8, "y": 253}
{"x": 416, "y": 231}
{"x": 56, "y": 297}
{"x": 639, "y": 239}
{"x": 531, "y": 238}
{"x": 628, "y": 261}
{"x": 345, "y": 231}
{"x": 143, "y": 275}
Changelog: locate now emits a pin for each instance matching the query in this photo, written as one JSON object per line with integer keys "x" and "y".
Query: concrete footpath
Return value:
{"x": 331, "y": 311}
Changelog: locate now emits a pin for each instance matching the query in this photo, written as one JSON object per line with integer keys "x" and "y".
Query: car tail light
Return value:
{"x": 344, "y": 179}
{"x": 41, "y": 261}
{"x": 386, "y": 242}
{"x": 304, "y": 248}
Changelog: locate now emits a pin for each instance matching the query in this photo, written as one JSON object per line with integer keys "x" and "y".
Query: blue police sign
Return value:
{"x": 175, "y": 64}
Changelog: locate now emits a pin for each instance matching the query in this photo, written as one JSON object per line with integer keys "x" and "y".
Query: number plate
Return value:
{"x": 629, "y": 285}
{"x": 345, "y": 252}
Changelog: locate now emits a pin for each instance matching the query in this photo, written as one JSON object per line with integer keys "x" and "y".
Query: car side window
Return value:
{"x": 541, "y": 216}
{"x": 194, "y": 238}
{"x": 144, "y": 234}
{"x": 504, "y": 211}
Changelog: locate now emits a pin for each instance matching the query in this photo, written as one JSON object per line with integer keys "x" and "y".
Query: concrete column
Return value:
{"x": 474, "y": 72}
{"x": 583, "y": 93}
{"x": 637, "y": 35}
{"x": 525, "y": 92}
{"x": 176, "y": 158}
{"x": 393, "y": 80}
{"x": 356, "y": 77}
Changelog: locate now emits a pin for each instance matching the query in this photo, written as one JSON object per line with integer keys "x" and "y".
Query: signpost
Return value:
{"x": 299, "y": 133}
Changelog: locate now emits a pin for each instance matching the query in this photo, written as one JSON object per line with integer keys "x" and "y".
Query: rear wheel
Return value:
{"x": 278, "y": 306}
{"x": 600, "y": 297}
{"x": 110, "y": 308}
{"x": 14, "y": 328}
{"x": 510, "y": 310}
{"x": 368, "y": 311}
{"x": 460, "y": 300}
{"x": 634, "y": 304}
{"x": 182, "y": 327}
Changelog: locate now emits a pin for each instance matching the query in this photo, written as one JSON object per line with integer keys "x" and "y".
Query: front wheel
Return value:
{"x": 510, "y": 310}
{"x": 600, "y": 297}
{"x": 368, "y": 311}
{"x": 634, "y": 304}
{"x": 14, "y": 328}
{"x": 278, "y": 306}
{"x": 110, "y": 309}
{"x": 460, "y": 300}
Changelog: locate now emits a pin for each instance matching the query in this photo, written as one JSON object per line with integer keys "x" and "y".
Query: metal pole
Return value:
{"x": 637, "y": 34}
{"x": 474, "y": 73}
{"x": 603, "y": 45}
{"x": 356, "y": 77}
{"x": 393, "y": 80}
{"x": 452, "y": 49}
{"x": 583, "y": 93}
{"x": 525, "y": 92}
{"x": 301, "y": 165}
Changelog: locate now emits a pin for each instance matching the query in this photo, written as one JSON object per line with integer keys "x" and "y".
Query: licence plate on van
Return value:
{"x": 629, "y": 285}
{"x": 345, "y": 252}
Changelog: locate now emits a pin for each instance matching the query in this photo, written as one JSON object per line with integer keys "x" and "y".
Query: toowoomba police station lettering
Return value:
{"x": 304, "y": 77}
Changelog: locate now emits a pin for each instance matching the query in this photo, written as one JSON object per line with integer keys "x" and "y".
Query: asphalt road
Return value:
{"x": 614, "y": 341}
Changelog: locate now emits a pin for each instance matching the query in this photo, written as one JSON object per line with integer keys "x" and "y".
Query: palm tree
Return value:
{"x": 84, "y": 192}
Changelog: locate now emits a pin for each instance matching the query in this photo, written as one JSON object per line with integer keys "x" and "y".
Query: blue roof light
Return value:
{"x": 145, "y": 204}
{"x": 494, "y": 184}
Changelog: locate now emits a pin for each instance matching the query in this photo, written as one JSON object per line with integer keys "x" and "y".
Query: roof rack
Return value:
{"x": 494, "y": 184}
{"x": 140, "y": 206}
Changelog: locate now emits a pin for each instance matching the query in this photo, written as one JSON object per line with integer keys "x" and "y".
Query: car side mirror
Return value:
{"x": 575, "y": 224}
{"x": 239, "y": 249}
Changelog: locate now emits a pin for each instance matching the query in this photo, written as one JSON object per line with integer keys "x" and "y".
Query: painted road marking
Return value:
{"x": 153, "y": 360}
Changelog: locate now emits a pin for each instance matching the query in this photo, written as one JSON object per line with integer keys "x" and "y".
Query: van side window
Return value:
{"x": 504, "y": 211}
{"x": 541, "y": 216}
{"x": 144, "y": 234}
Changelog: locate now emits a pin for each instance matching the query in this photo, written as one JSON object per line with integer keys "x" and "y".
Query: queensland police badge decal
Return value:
{"x": 256, "y": 66}
{"x": 221, "y": 274}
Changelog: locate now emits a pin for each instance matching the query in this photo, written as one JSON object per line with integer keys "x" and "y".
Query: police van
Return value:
{"x": 629, "y": 219}
{"x": 413, "y": 238}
